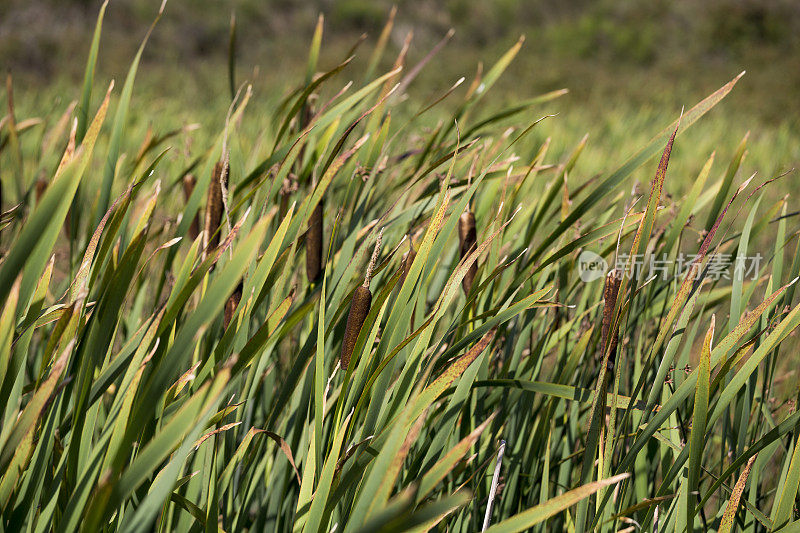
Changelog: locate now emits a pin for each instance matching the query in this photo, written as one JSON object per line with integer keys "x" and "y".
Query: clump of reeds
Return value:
{"x": 359, "y": 308}
{"x": 231, "y": 304}
{"x": 610, "y": 332}
{"x": 215, "y": 208}
{"x": 189, "y": 182}
{"x": 467, "y": 239}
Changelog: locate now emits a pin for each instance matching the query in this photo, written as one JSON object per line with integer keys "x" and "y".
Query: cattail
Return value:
{"x": 359, "y": 309}
{"x": 467, "y": 238}
{"x": 609, "y": 337}
{"x": 314, "y": 265}
{"x": 189, "y": 181}
{"x": 231, "y": 305}
{"x": 214, "y": 208}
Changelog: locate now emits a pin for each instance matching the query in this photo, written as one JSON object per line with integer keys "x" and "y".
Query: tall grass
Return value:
{"x": 249, "y": 376}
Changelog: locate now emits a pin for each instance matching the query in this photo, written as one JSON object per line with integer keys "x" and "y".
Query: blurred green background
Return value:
{"x": 629, "y": 66}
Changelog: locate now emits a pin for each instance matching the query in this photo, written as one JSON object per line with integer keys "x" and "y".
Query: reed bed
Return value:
{"x": 616, "y": 359}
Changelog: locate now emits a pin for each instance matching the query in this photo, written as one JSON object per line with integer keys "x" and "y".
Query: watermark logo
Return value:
{"x": 721, "y": 266}
{"x": 591, "y": 266}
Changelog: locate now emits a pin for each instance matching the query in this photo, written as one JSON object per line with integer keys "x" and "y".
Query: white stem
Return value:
{"x": 493, "y": 491}
{"x": 655, "y": 521}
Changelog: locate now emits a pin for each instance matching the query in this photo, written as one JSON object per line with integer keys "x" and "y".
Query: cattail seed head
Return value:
{"x": 214, "y": 207}
{"x": 231, "y": 304}
{"x": 359, "y": 309}
{"x": 189, "y": 182}
{"x": 609, "y": 337}
{"x": 467, "y": 239}
{"x": 314, "y": 266}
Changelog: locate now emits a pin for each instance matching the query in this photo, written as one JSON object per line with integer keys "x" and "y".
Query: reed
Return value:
{"x": 408, "y": 260}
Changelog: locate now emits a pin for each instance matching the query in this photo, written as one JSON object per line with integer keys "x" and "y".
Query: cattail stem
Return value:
{"x": 493, "y": 490}
{"x": 374, "y": 259}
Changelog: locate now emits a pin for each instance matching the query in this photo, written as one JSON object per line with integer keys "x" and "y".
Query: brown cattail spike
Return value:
{"x": 359, "y": 309}
{"x": 467, "y": 239}
{"x": 609, "y": 337}
{"x": 189, "y": 182}
{"x": 314, "y": 265}
{"x": 231, "y": 305}
{"x": 214, "y": 207}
